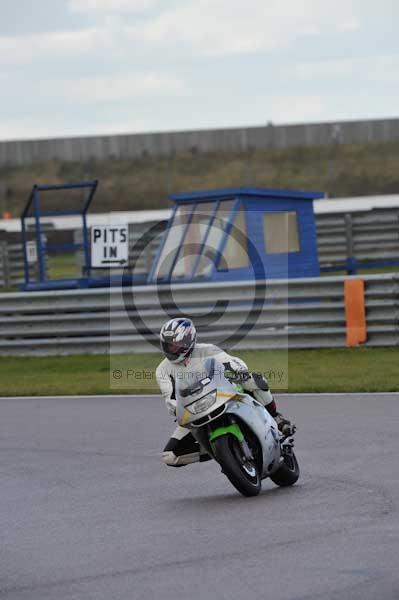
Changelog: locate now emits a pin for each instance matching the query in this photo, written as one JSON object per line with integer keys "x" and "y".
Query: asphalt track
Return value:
{"x": 88, "y": 511}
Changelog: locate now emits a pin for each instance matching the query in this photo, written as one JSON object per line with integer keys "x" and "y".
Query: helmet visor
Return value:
{"x": 174, "y": 350}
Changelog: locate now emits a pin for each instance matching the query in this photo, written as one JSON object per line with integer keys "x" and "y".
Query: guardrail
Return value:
{"x": 11, "y": 264}
{"x": 365, "y": 237}
{"x": 299, "y": 313}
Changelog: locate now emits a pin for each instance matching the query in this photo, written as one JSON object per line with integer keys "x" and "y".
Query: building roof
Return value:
{"x": 255, "y": 192}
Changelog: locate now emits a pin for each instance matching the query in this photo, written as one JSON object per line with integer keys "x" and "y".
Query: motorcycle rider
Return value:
{"x": 178, "y": 343}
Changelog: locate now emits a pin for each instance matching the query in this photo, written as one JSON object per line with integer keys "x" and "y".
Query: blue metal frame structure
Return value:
{"x": 25, "y": 251}
{"x": 33, "y": 205}
{"x": 39, "y": 241}
{"x": 162, "y": 244}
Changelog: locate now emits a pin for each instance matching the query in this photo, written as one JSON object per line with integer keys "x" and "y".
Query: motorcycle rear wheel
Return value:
{"x": 243, "y": 474}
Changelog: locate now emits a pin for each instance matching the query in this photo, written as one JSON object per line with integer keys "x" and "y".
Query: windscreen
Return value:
{"x": 203, "y": 376}
{"x": 196, "y": 378}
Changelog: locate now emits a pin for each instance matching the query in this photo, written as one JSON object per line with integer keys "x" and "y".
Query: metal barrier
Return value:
{"x": 11, "y": 264}
{"x": 358, "y": 239}
{"x": 299, "y": 313}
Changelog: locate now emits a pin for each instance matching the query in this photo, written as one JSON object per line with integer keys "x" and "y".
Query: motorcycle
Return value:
{"x": 236, "y": 430}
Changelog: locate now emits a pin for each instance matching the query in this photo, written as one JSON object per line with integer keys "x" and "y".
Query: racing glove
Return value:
{"x": 284, "y": 425}
{"x": 236, "y": 374}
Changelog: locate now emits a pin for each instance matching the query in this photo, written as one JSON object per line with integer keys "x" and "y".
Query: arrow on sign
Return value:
{"x": 114, "y": 262}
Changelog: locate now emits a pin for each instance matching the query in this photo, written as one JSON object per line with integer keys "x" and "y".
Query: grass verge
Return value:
{"x": 324, "y": 370}
{"x": 340, "y": 170}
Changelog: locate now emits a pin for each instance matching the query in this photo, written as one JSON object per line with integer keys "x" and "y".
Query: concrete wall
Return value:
{"x": 156, "y": 144}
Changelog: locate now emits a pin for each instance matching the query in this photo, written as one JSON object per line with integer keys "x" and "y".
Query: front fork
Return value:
{"x": 207, "y": 435}
{"x": 287, "y": 444}
{"x": 233, "y": 428}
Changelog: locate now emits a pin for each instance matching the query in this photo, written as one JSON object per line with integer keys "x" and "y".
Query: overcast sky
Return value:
{"x": 82, "y": 67}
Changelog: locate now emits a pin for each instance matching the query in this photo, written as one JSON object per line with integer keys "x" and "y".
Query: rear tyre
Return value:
{"x": 288, "y": 473}
{"x": 243, "y": 474}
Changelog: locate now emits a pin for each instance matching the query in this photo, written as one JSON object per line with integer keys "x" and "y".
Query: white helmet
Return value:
{"x": 178, "y": 339}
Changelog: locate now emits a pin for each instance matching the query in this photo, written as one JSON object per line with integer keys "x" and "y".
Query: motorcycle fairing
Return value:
{"x": 263, "y": 426}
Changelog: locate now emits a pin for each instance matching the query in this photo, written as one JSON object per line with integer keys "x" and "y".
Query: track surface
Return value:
{"x": 88, "y": 511}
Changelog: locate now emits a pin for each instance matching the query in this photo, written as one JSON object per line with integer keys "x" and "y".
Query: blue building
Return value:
{"x": 239, "y": 234}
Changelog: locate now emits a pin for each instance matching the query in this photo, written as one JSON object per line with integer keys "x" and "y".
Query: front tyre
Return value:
{"x": 241, "y": 472}
{"x": 288, "y": 473}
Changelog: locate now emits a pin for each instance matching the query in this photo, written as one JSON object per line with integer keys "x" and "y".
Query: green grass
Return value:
{"x": 145, "y": 183}
{"x": 325, "y": 370}
{"x": 63, "y": 266}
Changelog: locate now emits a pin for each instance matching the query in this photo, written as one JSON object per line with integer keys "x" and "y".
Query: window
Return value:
{"x": 173, "y": 241}
{"x": 194, "y": 239}
{"x": 280, "y": 230}
{"x": 235, "y": 253}
{"x": 214, "y": 239}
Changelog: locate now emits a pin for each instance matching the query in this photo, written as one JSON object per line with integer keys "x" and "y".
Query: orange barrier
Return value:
{"x": 355, "y": 312}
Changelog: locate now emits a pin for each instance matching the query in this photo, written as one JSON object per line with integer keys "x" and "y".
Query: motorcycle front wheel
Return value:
{"x": 241, "y": 472}
{"x": 288, "y": 473}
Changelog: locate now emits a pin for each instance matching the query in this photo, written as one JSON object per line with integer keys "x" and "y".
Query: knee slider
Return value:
{"x": 170, "y": 459}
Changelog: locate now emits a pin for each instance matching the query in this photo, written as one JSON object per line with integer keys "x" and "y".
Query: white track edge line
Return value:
{"x": 139, "y": 396}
